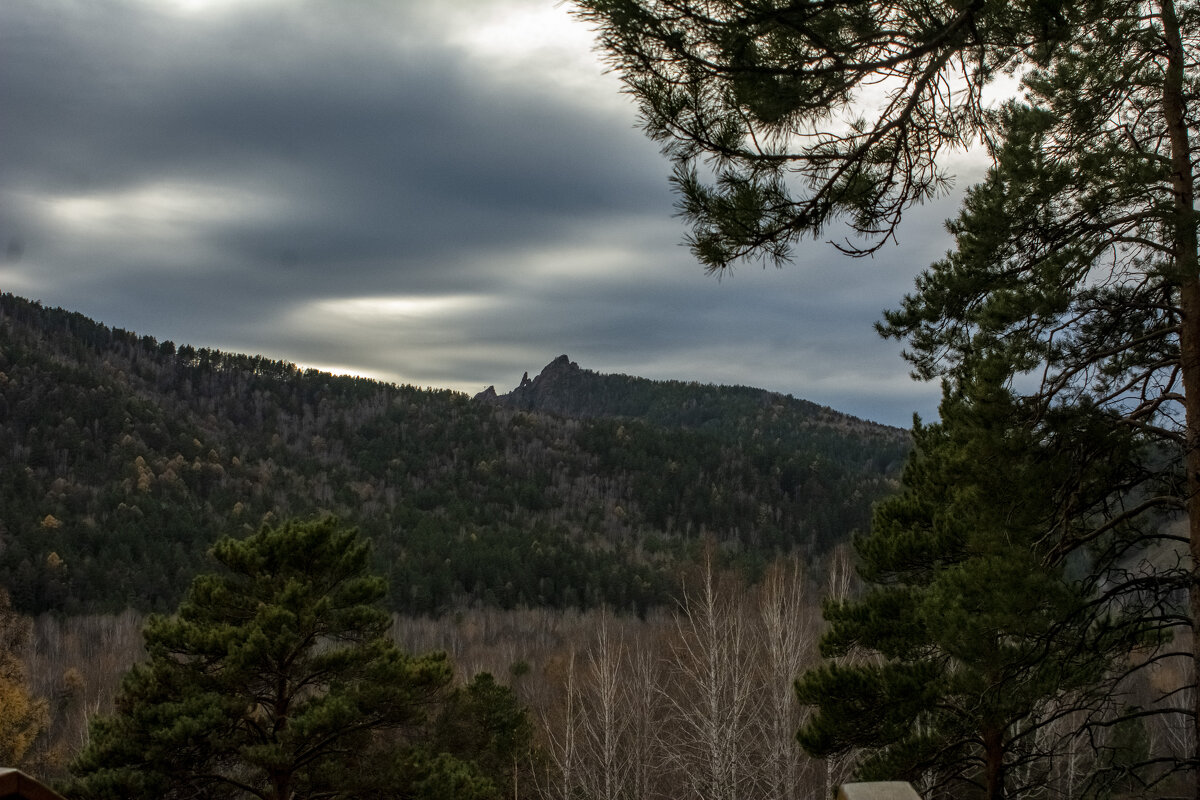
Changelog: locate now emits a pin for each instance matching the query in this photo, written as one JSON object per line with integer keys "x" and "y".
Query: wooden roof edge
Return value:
{"x": 13, "y": 782}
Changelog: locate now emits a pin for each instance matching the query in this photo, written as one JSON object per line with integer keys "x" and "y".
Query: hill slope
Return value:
{"x": 123, "y": 458}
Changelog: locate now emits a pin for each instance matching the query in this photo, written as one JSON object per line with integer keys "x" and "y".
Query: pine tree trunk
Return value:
{"x": 1187, "y": 266}
{"x": 1190, "y": 345}
{"x": 993, "y": 754}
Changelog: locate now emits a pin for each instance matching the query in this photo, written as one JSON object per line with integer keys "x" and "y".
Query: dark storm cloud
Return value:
{"x": 251, "y": 175}
{"x": 377, "y": 150}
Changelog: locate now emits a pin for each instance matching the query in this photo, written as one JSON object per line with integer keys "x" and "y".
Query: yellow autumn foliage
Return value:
{"x": 22, "y": 717}
{"x": 22, "y": 720}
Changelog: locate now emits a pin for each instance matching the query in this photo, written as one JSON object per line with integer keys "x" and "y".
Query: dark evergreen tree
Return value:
{"x": 977, "y": 639}
{"x": 485, "y": 725}
{"x": 271, "y": 681}
{"x": 1041, "y": 283}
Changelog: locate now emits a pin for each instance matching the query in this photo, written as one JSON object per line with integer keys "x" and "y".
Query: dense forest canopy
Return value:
{"x": 126, "y": 458}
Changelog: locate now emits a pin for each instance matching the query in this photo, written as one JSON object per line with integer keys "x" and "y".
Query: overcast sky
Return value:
{"x": 439, "y": 193}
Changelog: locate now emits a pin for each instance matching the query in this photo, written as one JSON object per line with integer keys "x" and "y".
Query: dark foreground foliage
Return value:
{"x": 276, "y": 679}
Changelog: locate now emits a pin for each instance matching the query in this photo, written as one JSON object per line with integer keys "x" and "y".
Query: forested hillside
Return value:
{"x": 122, "y": 459}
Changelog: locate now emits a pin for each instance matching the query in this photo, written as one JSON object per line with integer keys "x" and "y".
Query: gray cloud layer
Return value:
{"x": 348, "y": 185}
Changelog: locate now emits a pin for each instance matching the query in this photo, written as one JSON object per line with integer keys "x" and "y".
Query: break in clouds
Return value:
{"x": 435, "y": 196}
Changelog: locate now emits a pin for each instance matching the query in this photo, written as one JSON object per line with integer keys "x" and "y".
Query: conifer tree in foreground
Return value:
{"x": 275, "y": 679}
{"x": 1087, "y": 319}
{"x": 981, "y": 640}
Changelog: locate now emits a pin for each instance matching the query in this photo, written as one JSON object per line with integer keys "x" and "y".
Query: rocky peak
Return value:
{"x": 563, "y": 362}
{"x": 554, "y": 373}
{"x": 556, "y": 388}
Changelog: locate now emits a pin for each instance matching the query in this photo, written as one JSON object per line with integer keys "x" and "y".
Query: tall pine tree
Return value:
{"x": 272, "y": 681}
{"x": 976, "y": 634}
{"x": 1082, "y": 315}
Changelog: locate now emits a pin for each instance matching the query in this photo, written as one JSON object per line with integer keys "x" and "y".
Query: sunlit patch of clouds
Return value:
{"x": 620, "y": 251}
{"x": 515, "y": 32}
{"x": 203, "y": 7}
{"x": 17, "y": 281}
{"x": 159, "y": 210}
{"x": 370, "y": 311}
{"x": 532, "y": 41}
{"x": 439, "y": 341}
{"x": 386, "y": 334}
